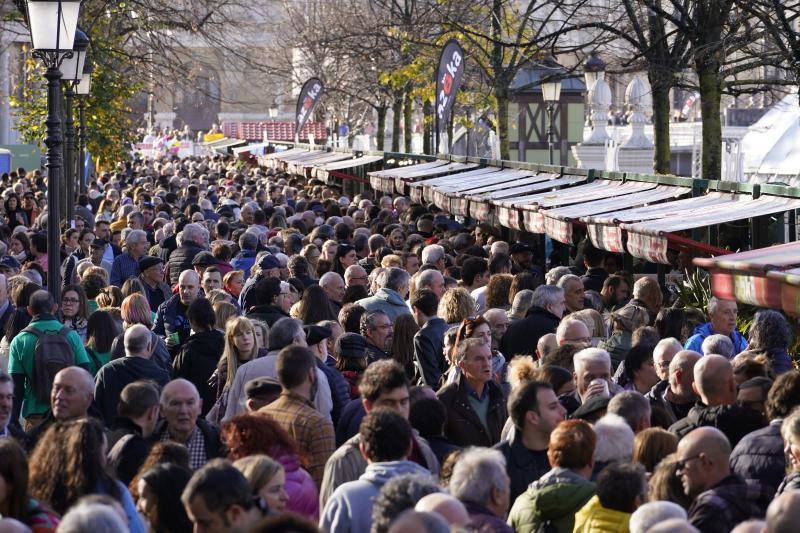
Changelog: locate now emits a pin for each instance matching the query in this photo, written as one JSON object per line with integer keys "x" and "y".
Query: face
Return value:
{"x": 477, "y": 364}
{"x": 754, "y": 397}
{"x": 558, "y": 307}
{"x": 335, "y": 289}
{"x": 86, "y": 242}
{"x": 102, "y": 231}
{"x": 188, "y": 289}
{"x": 244, "y": 341}
{"x": 661, "y": 361}
{"x": 499, "y": 325}
{"x": 96, "y": 255}
{"x": 691, "y": 470}
{"x": 6, "y": 400}
{"x": 16, "y": 247}
{"x": 206, "y": 521}
{"x": 69, "y": 398}
{"x": 146, "y": 505}
{"x": 550, "y": 411}
{"x": 396, "y": 400}
{"x": 573, "y": 295}
{"x": 591, "y": 370}
{"x": 791, "y": 449}
{"x": 723, "y": 319}
{"x": 235, "y": 285}
{"x": 154, "y": 274}
{"x": 274, "y": 492}
{"x": 286, "y": 300}
{"x": 211, "y": 281}
{"x": 359, "y": 277}
{"x": 329, "y": 251}
{"x": 116, "y": 238}
{"x": 140, "y": 248}
{"x": 646, "y": 376}
{"x": 134, "y": 222}
{"x": 397, "y": 239}
{"x": 484, "y": 333}
{"x": 438, "y": 286}
{"x": 349, "y": 258}
{"x": 72, "y": 241}
{"x": 148, "y": 215}
{"x": 12, "y": 203}
{"x": 181, "y": 408}
{"x": 69, "y": 304}
{"x": 412, "y": 264}
{"x": 524, "y": 259}
{"x": 381, "y": 334}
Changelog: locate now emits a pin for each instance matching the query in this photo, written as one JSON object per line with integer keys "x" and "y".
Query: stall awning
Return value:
{"x": 466, "y": 182}
{"x": 300, "y": 166}
{"x": 450, "y": 168}
{"x": 383, "y": 180}
{"x": 425, "y": 189}
{"x": 272, "y": 160}
{"x": 321, "y": 171}
{"x": 249, "y": 148}
{"x": 223, "y": 145}
{"x": 481, "y": 204}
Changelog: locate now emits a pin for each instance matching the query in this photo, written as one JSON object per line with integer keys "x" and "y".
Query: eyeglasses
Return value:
{"x": 70, "y": 300}
{"x": 681, "y": 465}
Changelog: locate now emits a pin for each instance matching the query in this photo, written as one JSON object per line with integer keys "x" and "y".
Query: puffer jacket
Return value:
{"x": 759, "y": 457}
{"x": 695, "y": 342}
{"x": 388, "y": 301}
{"x": 181, "y": 259}
{"x": 302, "y": 492}
{"x": 594, "y": 518}
{"x": 789, "y": 483}
{"x": 551, "y": 501}
{"x": 340, "y": 391}
{"x": 735, "y": 420}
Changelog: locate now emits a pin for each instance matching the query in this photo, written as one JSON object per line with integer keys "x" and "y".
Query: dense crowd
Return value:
{"x": 237, "y": 350}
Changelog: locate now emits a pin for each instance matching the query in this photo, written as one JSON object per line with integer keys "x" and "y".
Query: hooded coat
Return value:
{"x": 735, "y": 420}
{"x": 388, "y": 301}
{"x": 551, "y": 501}
{"x": 302, "y": 492}
{"x": 594, "y": 518}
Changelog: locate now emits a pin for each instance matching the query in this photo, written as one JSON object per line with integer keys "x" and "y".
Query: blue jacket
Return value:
{"x": 244, "y": 261}
{"x": 340, "y": 390}
{"x": 349, "y": 508}
{"x": 388, "y": 301}
{"x": 428, "y": 351}
{"x": 702, "y": 331}
{"x": 171, "y": 318}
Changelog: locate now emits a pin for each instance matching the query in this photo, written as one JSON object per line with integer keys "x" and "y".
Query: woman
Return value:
{"x": 594, "y": 323}
{"x": 167, "y": 452}
{"x": 101, "y": 330}
{"x": 199, "y": 355}
{"x": 253, "y": 434}
{"x": 233, "y": 282}
{"x": 329, "y": 249}
{"x": 665, "y": 484}
{"x": 84, "y": 250}
{"x": 74, "y": 309}
{"x": 498, "y": 292}
{"x": 640, "y": 370}
{"x": 159, "y": 500}
{"x": 69, "y": 462}
{"x": 455, "y": 306}
{"x": 136, "y": 310}
{"x": 15, "y": 502}
{"x": 397, "y": 238}
{"x": 312, "y": 254}
{"x": 402, "y": 350}
{"x": 624, "y": 323}
{"x": 224, "y": 311}
{"x": 240, "y": 347}
{"x": 771, "y": 335}
{"x": 345, "y": 256}
{"x": 315, "y": 306}
{"x": 19, "y": 247}
{"x": 671, "y": 322}
{"x": 110, "y": 296}
{"x": 132, "y": 286}
{"x": 352, "y": 366}
{"x": 267, "y": 479}
{"x": 652, "y": 445}
{"x": 14, "y": 215}
{"x": 69, "y": 242}
{"x": 261, "y": 329}
{"x": 522, "y": 281}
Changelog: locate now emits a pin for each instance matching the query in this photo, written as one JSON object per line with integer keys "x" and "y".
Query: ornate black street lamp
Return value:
{"x": 83, "y": 91}
{"x": 71, "y": 74}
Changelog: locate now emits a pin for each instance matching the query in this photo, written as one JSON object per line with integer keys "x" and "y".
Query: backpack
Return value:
{"x": 52, "y": 354}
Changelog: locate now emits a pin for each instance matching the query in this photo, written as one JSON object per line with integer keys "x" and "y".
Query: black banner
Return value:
{"x": 448, "y": 80}
{"x": 309, "y": 96}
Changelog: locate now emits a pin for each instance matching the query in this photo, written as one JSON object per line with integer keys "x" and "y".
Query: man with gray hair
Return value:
{"x": 573, "y": 292}
{"x": 718, "y": 344}
{"x": 663, "y": 353}
{"x": 126, "y": 264}
{"x": 136, "y": 365}
{"x": 434, "y": 254}
{"x": 431, "y": 279}
{"x": 544, "y": 315}
{"x": 356, "y": 275}
{"x": 633, "y": 407}
{"x": 592, "y": 374}
{"x": 285, "y": 332}
{"x": 194, "y": 240}
{"x": 480, "y": 481}
{"x": 721, "y": 320}
{"x": 675, "y": 396}
{"x": 519, "y": 307}
{"x": 390, "y": 298}
{"x": 333, "y": 285}
{"x": 573, "y": 331}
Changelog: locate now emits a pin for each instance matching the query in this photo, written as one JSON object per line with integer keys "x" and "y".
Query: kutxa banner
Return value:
{"x": 309, "y": 96}
{"x": 448, "y": 80}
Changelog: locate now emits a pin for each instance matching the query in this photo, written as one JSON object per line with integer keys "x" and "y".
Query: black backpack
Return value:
{"x": 52, "y": 354}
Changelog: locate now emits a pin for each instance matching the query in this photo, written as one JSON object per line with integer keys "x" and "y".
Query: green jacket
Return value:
{"x": 551, "y": 501}
{"x": 20, "y": 359}
{"x": 618, "y": 345}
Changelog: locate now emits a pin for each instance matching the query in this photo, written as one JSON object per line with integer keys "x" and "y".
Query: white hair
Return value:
{"x": 718, "y": 344}
{"x": 546, "y": 295}
{"x": 555, "y": 274}
{"x": 566, "y": 278}
{"x": 665, "y": 344}
{"x": 195, "y": 233}
{"x": 614, "y": 439}
{"x": 432, "y": 253}
{"x": 426, "y": 278}
{"x": 91, "y": 517}
{"x": 134, "y": 236}
{"x": 591, "y": 355}
{"x": 564, "y": 325}
{"x": 328, "y": 277}
{"x": 652, "y": 513}
{"x": 476, "y": 472}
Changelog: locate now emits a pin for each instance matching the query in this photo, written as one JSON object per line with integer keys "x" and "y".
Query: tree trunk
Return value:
{"x": 661, "y": 121}
{"x": 380, "y": 134}
{"x": 501, "y": 108}
{"x": 710, "y": 101}
{"x": 408, "y": 108}
{"x": 397, "y": 110}
{"x": 427, "y": 111}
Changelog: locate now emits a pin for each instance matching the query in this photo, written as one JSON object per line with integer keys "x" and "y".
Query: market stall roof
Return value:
{"x": 249, "y": 148}
{"x": 429, "y": 189}
{"x": 400, "y": 182}
{"x": 222, "y": 145}
{"x": 383, "y": 180}
{"x": 299, "y": 166}
{"x": 321, "y": 170}
{"x": 535, "y": 187}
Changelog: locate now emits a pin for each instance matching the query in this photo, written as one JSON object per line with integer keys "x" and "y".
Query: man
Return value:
{"x": 137, "y": 414}
{"x": 759, "y": 456}
{"x": 102, "y": 231}
{"x": 475, "y": 405}
{"x": 295, "y": 412}
{"x": 633, "y": 407}
{"x": 753, "y": 392}
{"x": 36, "y": 387}
{"x": 615, "y": 292}
{"x": 126, "y": 264}
{"x": 285, "y": 332}
{"x": 474, "y": 273}
{"x": 171, "y": 321}
{"x": 6, "y": 307}
{"x": 376, "y": 328}
{"x": 385, "y": 443}
{"x": 675, "y": 395}
{"x": 714, "y": 384}
{"x": 274, "y": 300}
{"x": 720, "y": 499}
{"x": 621, "y": 489}
{"x": 98, "y": 247}
{"x": 783, "y": 514}
{"x": 595, "y": 275}
{"x": 544, "y": 315}
{"x": 432, "y": 254}
{"x": 522, "y": 259}
{"x": 718, "y": 344}
{"x": 70, "y": 399}
{"x": 592, "y": 374}
{"x": 152, "y": 277}
{"x": 218, "y": 499}
{"x": 384, "y": 384}
{"x": 212, "y": 279}
{"x": 333, "y": 285}
{"x": 722, "y": 320}
{"x": 498, "y": 323}
{"x": 573, "y": 331}
{"x": 573, "y": 292}
{"x": 246, "y": 258}
{"x": 194, "y": 239}
{"x": 535, "y": 411}
{"x": 446, "y": 506}
{"x": 390, "y": 298}
{"x": 647, "y": 294}
{"x": 7, "y": 429}
{"x": 268, "y": 267}
{"x": 137, "y": 364}
{"x": 663, "y": 353}
{"x": 181, "y": 423}
{"x": 356, "y": 275}
{"x": 318, "y": 339}
{"x": 261, "y": 392}
{"x": 429, "y": 340}
{"x": 431, "y": 279}
{"x": 300, "y": 268}
{"x": 486, "y": 501}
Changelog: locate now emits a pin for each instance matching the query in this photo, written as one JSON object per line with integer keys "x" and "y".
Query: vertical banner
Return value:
{"x": 309, "y": 96}
{"x": 448, "y": 80}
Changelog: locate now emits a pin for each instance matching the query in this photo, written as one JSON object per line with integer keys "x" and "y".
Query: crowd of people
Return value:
{"x": 236, "y": 349}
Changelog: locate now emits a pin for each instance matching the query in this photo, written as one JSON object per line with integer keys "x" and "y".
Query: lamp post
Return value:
{"x": 83, "y": 90}
{"x": 551, "y": 93}
{"x": 52, "y": 26}
{"x": 72, "y": 72}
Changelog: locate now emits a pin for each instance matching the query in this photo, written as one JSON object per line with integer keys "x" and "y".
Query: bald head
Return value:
{"x": 713, "y": 380}
{"x": 138, "y": 341}
{"x": 783, "y": 514}
{"x": 72, "y": 393}
{"x": 416, "y": 522}
{"x": 681, "y": 374}
{"x": 178, "y": 387}
{"x": 673, "y": 525}
{"x": 708, "y": 440}
{"x": 573, "y": 331}
{"x": 547, "y": 343}
{"x": 445, "y": 505}
{"x": 180, "y": 406}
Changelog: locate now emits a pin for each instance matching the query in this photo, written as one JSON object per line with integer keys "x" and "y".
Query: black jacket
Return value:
{"x": 522, "y": 335}
{"x": 759, "y": 457}
{"x": 114, "y": 376}
{"x": 127, "y": 449}
{"x": 375, "y": 354}
{"x": 428, "y": 351}
{"x": 197, "y": 361}
{"x": 523, "y": 466}
{"x": 210, "y": 432}
{"x": 463, "y": 426}
{"x": 735, "y": 420}
{"x": 594, "y": 278}
{"x": 340, "y": 390}
{"x": 726, "y": 504}
{"x": 266, "y": 313}
{"x": 658, "y": 398}
{"x": 181, "y": 259}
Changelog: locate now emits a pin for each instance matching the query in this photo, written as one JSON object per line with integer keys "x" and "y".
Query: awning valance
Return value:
{"x": 321, "y": 170}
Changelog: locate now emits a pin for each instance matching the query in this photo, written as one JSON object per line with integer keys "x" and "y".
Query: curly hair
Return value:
{"x": 456, "y": 305}
{"x": 252, "y": 434}
{"x": 769, "y": 331}
{"x": 498, "y": 291}
{"x": 397, "y": 495}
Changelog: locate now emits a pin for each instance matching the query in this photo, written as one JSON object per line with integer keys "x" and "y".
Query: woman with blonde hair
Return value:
{"x": 266, "y": 478}
{"x": 261, "y": 330}
{"x": 224, "y": 311}
{"x": 455, "y": 306}
{"x": 135, "y": 309}
{"x": 652, "y": 445}
{"x": 392, "y": 260}
{"x": 594, "y": 323}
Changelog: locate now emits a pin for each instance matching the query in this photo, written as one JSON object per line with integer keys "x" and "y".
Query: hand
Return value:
{"x": 595, "y": 389}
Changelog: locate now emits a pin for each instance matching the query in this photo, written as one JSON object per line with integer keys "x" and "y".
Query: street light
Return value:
{"x": 83, "y": 90}
{"x": 52, "y": 26}
{"x": 551, "y": 94}
{"x": 72, "y": 69}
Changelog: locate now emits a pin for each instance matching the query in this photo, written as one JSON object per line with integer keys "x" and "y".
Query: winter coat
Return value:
{"x": 340, "y": 390}
{"x": 198, "y": 360}
{"x": 244, "y": 262}
{"x": 463, "y": 425}
{"x": 171, "y": 318}
{"x": 428, "y": 351}
{"x": 266, "y": 313}
{"x": 759, "y": 457}
{"x": 523, "y": 466}
{"x": 523, "y": 335}
{"x": 352, "y": 377}
{"x": 728, "y": 503}
{"x": 482, "y": 520}
{"x": 735, "y": 420}
{"x": 302, "y": 492}
{"x": 127, "y": 449}
{"x": 695, "y": 342}
{"x": 160, "y": 355}
{"x": 114, "y": 376}
{"x": 551, "y": 501}
{"x": 349, "y": 421}
{"x": 618, "y": 345}
{"x": 181, "y": 259}
{"x": 789, "y": 483}
{"x": 388, "y": 301}
{"x": 658, "y": 398}
{"x": 349, "y": 508}
{"x": 594, "y": 518}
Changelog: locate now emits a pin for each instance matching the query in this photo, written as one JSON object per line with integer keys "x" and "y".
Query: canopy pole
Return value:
{"x": 689, "y": 243}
